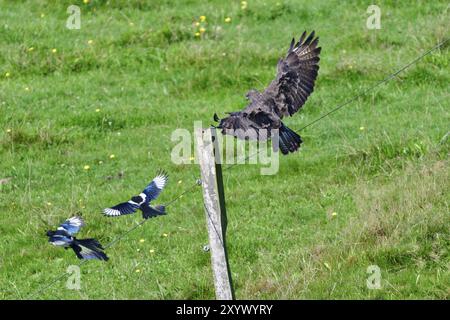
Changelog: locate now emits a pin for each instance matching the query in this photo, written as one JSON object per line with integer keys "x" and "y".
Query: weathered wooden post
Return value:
{"x": 208, "y": 154}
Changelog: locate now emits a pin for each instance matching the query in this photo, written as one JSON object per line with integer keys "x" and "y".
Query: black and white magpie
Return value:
{"x": 83, "y": 248}
{"x": 142, "y": 201}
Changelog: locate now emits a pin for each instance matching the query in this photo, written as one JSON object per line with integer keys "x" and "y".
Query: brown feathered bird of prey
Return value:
{"x": 287, "y": 93}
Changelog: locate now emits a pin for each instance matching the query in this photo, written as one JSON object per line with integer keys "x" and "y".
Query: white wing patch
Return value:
{"x": 85, "y": 251}
{"x": 76, "y": 221}
{"x": 111, "y": 212}
{"x": 59, "y": 243}
{"x": 160, "y": 181}
{"x": 72, "y": 225}
{"x": 143, "y": 196}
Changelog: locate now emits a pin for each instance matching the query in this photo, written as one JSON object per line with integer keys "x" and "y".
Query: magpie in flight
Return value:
{"x": 142, "y": 201}
{"x": 83, "y": 248}
{"x": 286, "y": 94}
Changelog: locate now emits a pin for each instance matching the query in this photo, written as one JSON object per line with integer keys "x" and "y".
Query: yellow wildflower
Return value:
{"x": 54, "y": 50}
{"x": 361, "y": 128}
{"x": 197, "y": 34}
{"x": 90, "y": 41}
{"x": 86, "y": 167}
{"x": 202, "y": 18}
{"x": 142, "y": 240}
{"x": 30, "y": 49}
{"x": 112, "y": 156}
{"x": 243, "y": 5}
{"x": 7, "y": 75}
{"x": 227, "y": 19}
{"x": 202, "y": 30}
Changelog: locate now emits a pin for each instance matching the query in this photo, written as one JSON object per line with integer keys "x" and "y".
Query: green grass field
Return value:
{"x": 370, "y": 185}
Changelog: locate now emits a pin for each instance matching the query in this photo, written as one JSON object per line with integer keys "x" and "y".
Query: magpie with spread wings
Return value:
{"x": 142, "y": 201}
{"x": 286, "y": 94}
{"x": 63, "y": 236}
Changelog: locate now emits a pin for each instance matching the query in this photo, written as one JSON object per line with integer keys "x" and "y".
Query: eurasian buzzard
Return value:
{"x": 261, "y": 119}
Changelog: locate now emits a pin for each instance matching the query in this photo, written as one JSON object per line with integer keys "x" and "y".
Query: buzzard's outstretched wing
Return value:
{"x": 296, "y": 75}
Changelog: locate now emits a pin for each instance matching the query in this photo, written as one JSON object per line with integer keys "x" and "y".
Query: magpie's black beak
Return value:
{"x": 216, "y": 118}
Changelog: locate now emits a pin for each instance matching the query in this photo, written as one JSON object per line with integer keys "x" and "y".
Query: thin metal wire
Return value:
{"x": 359, "y": 95}
{"x": 42, "y": 289}
{"x": 364, "y": 92}
{"x": 114, "y": 241}
{"x": 388, "y": 78}
{"x": 183, "y": 193}
{"x": 245, "y": 159}
{"x": 214, "y": 225}
{"x": 145, "y": 220}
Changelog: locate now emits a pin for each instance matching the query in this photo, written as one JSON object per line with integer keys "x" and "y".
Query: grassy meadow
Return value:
{"x": 86, "y": 118}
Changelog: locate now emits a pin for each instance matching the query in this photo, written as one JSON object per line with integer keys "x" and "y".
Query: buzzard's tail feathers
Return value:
{"x": 289, "y": 141}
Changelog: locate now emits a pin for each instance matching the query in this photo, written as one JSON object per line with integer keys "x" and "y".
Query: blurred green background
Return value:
{"x": 86, "y": 118}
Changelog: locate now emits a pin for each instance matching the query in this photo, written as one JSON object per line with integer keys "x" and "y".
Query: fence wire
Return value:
{"x": 116, "y": 239}
{"x": 357, "y": 96}
{"x": 198, "y": 181}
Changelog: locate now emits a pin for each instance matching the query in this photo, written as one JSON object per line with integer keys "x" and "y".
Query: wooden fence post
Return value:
{"x": 208, "y": 153}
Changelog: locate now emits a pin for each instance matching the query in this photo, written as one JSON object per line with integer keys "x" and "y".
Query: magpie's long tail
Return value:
{"x": 150, "y": 212}
{"x": 289, "y": 141}
{"x": 88, "y": 249}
